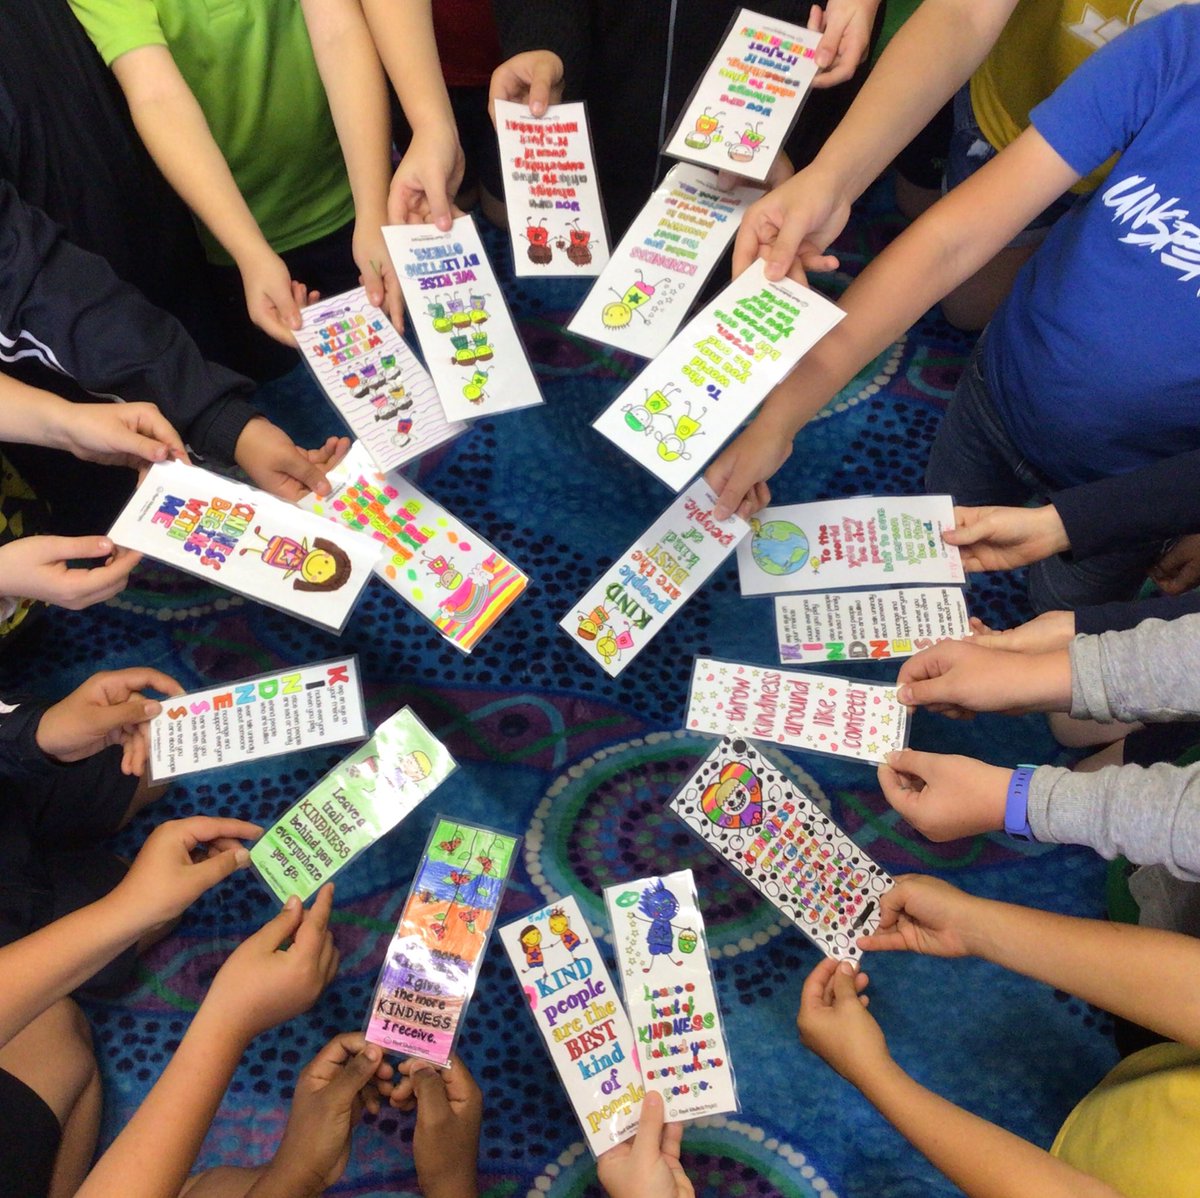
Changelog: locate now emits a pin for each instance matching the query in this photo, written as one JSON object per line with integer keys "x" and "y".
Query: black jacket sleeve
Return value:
{"x": 19, "y": 752}
{"x": 1114, "y": 617}
{"x": 1157, "y": 502}
{"x": 564, "y": 26}
{"x": 66, "y": 308}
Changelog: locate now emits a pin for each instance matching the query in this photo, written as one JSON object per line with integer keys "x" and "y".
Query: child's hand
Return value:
{"x": 1003, "y": 538}
{"x": 792, "y": 225}
{"x": 535, "y": 77}
{"x": 263, "y": 983}
{"x": 376, "y": 273}
{"x": 846, "y": 26}
{"x": 925, "y": 915}
{"x": 740, "y": 471}
{"x": 108, "y": 709}
{"x": 165, "y": 877}
{"x": 40, "y": 568}
{"x": 945, "y": 797}
{"x": 116, "y": 434}
{"x": 272, "y": 298}
{"x": 959, "y": 678}
{"x": 279, "y": 466}
{"x": 648, "y": 1165}
{"x": 427, "y": 179}
{"x": 1050, "y": 631}
{"x": 1178, "y": 569}
{"x": 449, "y": 1109}
{"x": 331, "y": 1093}
{"x": 834, "y": 1023}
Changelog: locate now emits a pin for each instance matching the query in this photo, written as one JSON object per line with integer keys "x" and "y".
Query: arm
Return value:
{"x": 354, "y": 82}
{"x": 984, "y": 1160}
{"x": 428, "y": 177}
{"x": 260, "y": 985}
{"x": 162, "y": 882}
{"x": 175, "y": 131}
{"x": 1108, "y": 964}
{"x": 1143, "y": 673}
{"x": 65, "y": 307}
{"x": 931, "y": 56}
{"x": 945, "y": 246}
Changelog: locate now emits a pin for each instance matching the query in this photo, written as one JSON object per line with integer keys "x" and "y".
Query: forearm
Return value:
{"x": 403, "y": 33}
{"x": 931, "y": 56}
{"x": 41, "y": 968}
{"x": 948, "y": 244}
{"x": 1150, "y": 672}
{"x": 157, "y": 1148}
{"x": 29, "y": 415}
{"x": 354, "y": 83}
{"x": 983, "y": 1160}
{"x": 1142, "y": 974}
{"x": 1150, "y": 816}
{"x": 173, "y": 127}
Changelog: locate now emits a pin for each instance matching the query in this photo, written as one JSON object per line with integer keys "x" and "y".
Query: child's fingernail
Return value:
{"x": 242, "y": 857}
{"x": 893, "y": 757}
{"x": 904, "y": 694}
{"x": 292, "y": 903}
{"x": 846, "y": 967}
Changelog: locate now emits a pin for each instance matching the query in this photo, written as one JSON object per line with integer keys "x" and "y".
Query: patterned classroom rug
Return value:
{"x": 581, "y": 766}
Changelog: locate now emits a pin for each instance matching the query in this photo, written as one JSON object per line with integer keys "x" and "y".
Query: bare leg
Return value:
{"x": 222, "y": 1182}
{"x": 53, "y": 1057}
{"x": 973, "y": 303}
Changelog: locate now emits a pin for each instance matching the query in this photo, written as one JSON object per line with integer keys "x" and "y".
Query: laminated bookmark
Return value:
{"x": 441, "y": 568}
{"x": 577, "y": 1011}
{"x": 653, "y": 579}
{"x": 468, "y": 337}
{"x": 649, "y": 285}
{"x": 746, "y": 102}
{"x": 282, "y": 711}
{"x": 373, "y": 379}
{"x": 361, "y": 798}
{"x": 867, "y": 625}
{"x": 551, "y": 190}
{"x": 433, "y": 959}
{"x": 840, "y": 717}
{"x": 753, "y": 815}
{"x": 235, "y": 536}
{"x": 662, "y": 956}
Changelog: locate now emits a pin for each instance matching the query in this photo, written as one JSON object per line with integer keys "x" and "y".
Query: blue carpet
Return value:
{"x": 581, "y": 766}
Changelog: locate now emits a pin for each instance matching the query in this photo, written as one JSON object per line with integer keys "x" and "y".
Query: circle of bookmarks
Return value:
{"x": 605, "y": 820}
{"x": 733, "y": 1157}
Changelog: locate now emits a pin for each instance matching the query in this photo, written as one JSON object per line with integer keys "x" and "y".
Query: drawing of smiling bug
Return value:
{"x": 474, "y": 388}
{"x": 619, "y": 314}
{"x": 749, "y": 144}
{"x": 441, "y": 322}
{"x": 591, "y": 624}
{"x": 640, "y": 417}
{"x": 576, "y": 245}
{"x": 539, "y": 242}
{"x": 478, "y": 312}
{"x": 391, "y": 404}
{"x": 707, "y": 126}
{"x": 460, "y": 318}
{"x": 610, "y": 643}
{"x": 671, "y": 445}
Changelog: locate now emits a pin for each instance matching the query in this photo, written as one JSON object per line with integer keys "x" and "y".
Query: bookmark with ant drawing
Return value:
{"x": 433, "y": 958}
{"x": 662, "y": 956}
{"x": 550, "y": 187}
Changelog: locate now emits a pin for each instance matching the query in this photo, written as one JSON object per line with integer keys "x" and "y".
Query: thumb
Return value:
{"x": 133, "y": 711}
{"x": 967, "y": 534}
{"x": 924, "y": 692}
{"x": 647, "y": 1141}
{"x": 65, "y": 549}
{"x": 307, "y": 473}
{"x": 732, "y": 490}
{"x": 372, "y": 281}
{"x": 433, "y": 1103}
{"x": 830, "y": 43}
{"x": 357, "y": 1072}
{"x": 844, "y": 989}
{"x": 540, "y": 83}
{"x": 280, "y": 928}
{"x": 137, "y": 445}
{"x": 218, "y": 867}
{"x": 439, "y": 204}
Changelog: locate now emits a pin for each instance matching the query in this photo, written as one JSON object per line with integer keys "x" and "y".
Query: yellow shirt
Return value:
{"x": 1043, "y": 42}
{"x": 1139, "y": 1129}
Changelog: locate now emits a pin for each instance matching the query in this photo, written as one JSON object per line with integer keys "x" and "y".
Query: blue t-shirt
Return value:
{"x": 1093, "y": 360}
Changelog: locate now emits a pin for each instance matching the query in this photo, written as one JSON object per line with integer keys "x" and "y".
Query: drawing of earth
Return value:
{"x": 778, "y": 547}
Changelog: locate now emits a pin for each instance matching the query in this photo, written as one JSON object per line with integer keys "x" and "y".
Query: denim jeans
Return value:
{"x": 975, "y": 460}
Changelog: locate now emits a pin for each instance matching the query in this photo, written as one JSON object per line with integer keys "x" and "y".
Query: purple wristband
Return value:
{"x": 1016, "y": 805}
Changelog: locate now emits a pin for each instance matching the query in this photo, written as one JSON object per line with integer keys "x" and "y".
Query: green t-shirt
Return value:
{"x": 250, "y": 65}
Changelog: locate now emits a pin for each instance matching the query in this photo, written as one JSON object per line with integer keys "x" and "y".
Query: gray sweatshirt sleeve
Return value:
{"x": 1151, "y": 672}
{"x": 1150, "y": 815}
